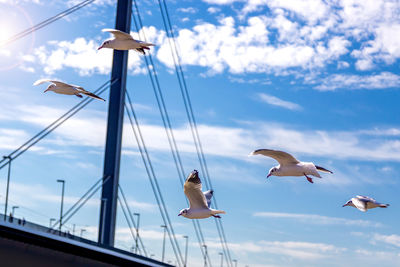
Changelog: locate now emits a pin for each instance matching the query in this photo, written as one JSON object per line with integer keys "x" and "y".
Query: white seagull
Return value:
{"x": 199, "y": 202}
{"x": 124, "y": 41}
{"x": 66, "y": 89}
{"x": 289, "y": 166}
{"x": 364, "y": 203}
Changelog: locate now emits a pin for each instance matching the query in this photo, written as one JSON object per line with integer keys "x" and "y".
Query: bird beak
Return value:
{"x": 46, "y": 90}
{"x": 344, "y": 205}
{"x": 179, "y": 214}
{"x": 269, "y": 175}
{"x": 100, "y": 47}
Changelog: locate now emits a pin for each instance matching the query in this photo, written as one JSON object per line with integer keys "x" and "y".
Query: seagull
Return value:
{"x": 364, "y": 203}
{"x": 289, "y": 166}
{"x": 124, "y": 41}
{"x": 199, "y": 201}
{"x": 66, "y": 89}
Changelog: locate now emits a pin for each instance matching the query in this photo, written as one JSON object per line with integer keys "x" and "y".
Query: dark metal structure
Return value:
{"x": 112, "y": 156}
{"x": 27, "y": 244}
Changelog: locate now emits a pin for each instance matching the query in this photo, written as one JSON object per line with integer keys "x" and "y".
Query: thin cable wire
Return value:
{"x": 78, "y": 205}
{"x": 167, "y": 125}
{"x": 46, "y": 22}
{"x": 131, "y": 217}
{"x": 54, "y": 125}
{"x": 191, "y": 118}
{"x": 153, "y": 181}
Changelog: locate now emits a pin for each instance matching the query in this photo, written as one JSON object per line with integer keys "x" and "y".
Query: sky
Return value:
{"x": 318, "y": 79}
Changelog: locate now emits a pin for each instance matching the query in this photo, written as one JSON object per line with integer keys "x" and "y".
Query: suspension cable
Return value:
{"x": 54, "y": 125}
{"x": 191, "y": 118}
{"x": 167, "y": 126}
{"x": 82, "y": 201}
{"x": 153, "y": 181}
{"x": 46, "y": 22}
{"x": 131, "y": 217}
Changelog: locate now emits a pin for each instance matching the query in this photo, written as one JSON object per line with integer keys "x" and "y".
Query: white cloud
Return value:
{"x": 389, "y": 239}
{"x": 82, "y": 55}
{"x": 190, "y": 10}
{"x": 293, "y": 249}
{"x": 213, "y": 10}
{"x": 317, "y": 219}
{"x": 249, "y": 48}
{"x": 273, "y": 100}
{"x": 88, "y": 129}
{"x": 353, "y": 82}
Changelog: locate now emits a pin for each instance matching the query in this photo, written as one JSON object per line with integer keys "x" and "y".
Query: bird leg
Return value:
{"x": 308, "y": 178}
{"x": 216, "y": 216}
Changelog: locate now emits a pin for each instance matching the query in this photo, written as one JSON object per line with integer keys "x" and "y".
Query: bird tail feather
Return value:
{"x": 218, "y": 212}
{"x": 322, "y": 169}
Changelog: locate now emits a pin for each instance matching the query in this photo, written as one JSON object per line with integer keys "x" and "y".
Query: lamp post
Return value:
{"x": 13, "y": 210}
{"x": 73, "y": 229}
{"x": 222, "y": 258}
{"x": 205, "y": 255}
{"x": 82, "y": 231}
{"x": 137, "y": 232}
{"x": 186, "y": 249}
{"x": 8, "y": 184}
{"x": 163, "y": 247}
{"x": 235, "y": 261}
{"x": 51, "y": 222}
{"x": 62, "y": 202}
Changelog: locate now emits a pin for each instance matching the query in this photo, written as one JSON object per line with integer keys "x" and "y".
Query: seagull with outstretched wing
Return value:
{"x": 66, "y": 89}
{"x": 364, "y": 203}
{"x": 199, "y": 202}
{"x": 289, "y": 165}
{"x": 124, "y": 41}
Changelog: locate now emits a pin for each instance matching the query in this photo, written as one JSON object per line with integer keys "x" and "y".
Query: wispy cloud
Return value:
{"x": 389, "y": 239}
{"x": 317, "y": 219}
{"x": 356, "y": 82}
{"x": 275, "y": 101}
{"x": 293, "y": 249}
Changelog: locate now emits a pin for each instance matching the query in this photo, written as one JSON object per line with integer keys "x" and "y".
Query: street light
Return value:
{"x": 222, "y": 259}
{"x": 8, "y": 184}
{"x": 137, "y": 232}
{"x": 51, "y": 222}
{"x": 205, "y": 255}
{"x": 13, "y": 210}
{"x": 163, "y": 247}
{"x": 62, "y": 202}
{"x": 82, "y": 230}
{"x": 235, "y": 261}
{"x": 186, "y": 249}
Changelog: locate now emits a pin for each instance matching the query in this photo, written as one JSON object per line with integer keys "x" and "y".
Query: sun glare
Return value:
{"x": 4, "y": 32}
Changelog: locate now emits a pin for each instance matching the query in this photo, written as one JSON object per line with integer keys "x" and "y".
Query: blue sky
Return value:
{"x": 318, "y": 79}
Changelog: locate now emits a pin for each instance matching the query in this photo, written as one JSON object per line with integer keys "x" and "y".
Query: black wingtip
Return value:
{"x": 322, "y": 169}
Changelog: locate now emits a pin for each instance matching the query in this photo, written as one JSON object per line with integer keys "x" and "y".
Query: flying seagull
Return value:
{"x": 199, "y": 201}
{"x": 124, "y": 41}
{"x": 289, "y": 166}
{"x": 66, "y": 89}
{"x": 364, "y": 203}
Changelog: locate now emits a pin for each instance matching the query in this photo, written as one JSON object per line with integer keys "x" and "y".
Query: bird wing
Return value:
{"x": 92, "y": 95}
{"x": 192, "y": 190}
{"x": 119, "y": 34}
{"x": 144, "y": 43}
{"x": 282, "y": 157}
{"x": 83, "y": 91}
{"x": 208, "y": 196}
{"x": 366, "y": 198}
{"x": 52, "y": 81}
{"x": 360, "y": 204}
